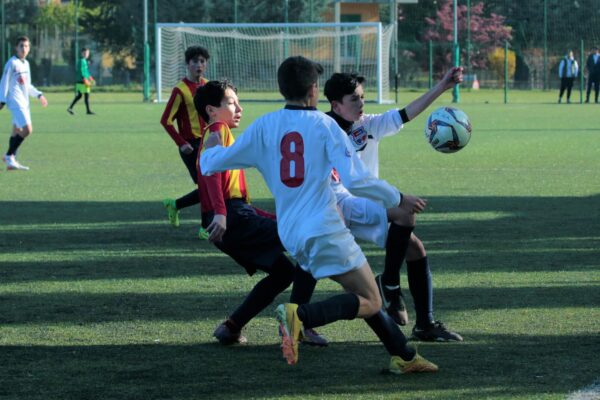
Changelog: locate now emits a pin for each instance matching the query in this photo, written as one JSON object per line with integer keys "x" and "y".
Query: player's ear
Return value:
{"x": 313, "y": 94}
{"x": 335, "y": 106}
{"x": 210, "y": 110}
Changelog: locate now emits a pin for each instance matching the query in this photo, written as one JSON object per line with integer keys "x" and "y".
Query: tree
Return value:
{"x": 487, "y": 33}
{"x": 117, "y": 25}
{"x": 497, "y": 63}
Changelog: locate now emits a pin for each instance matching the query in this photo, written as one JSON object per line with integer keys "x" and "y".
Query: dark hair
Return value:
{"x": 296, "y": 75}
{"x": 22, "y": 39}
{"x": 195, "y": 51}
{"x": 211, "y": 94}
{"x": 84, "y": 49}
{"x": 342, "y": 84}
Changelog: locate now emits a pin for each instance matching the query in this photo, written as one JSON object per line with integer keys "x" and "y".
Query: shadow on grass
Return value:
{"x": 103, "y": 240}
{"x": 24, "y": 308}
{"x": 513, "y": 366}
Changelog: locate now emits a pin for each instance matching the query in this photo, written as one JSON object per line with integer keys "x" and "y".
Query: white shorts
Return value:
{"x": 21, "y": 117}
{"x": 330, "y": 255}
{"x": 366, "y": 219}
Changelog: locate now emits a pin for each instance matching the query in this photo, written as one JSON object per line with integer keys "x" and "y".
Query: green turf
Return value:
{"x": 101, "y": 299}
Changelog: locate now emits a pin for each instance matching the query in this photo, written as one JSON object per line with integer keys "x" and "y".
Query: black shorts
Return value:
{"x": 250, "y": 239}
{"x": 191, "y": 159}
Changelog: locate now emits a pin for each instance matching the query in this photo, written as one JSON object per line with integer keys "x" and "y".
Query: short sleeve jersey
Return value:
{"x": 16, "y": 87}
{"x": 83, "y": 71}
{"x": 365, "y": 135}
{"x": 295, "y": 150}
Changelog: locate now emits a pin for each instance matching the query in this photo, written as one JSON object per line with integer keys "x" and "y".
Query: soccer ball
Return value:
{"x": 448, "y": 129}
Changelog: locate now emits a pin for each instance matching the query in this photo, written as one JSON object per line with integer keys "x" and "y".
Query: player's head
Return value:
{"x": 85, "y": 52}
{"x": 196, "y": 58}
{"x": 570, "y": 53}
{"x": 346, "y": 95}
{"x": 298, "y": 79}
{"x": 22, "y": 46}
{"x": 218, "y": 101}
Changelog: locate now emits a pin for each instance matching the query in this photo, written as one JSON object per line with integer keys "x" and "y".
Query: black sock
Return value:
{"x": 390, "y": 335}
{"x": 75, "y": 100}
{"x": 395, "y": 252}
{"x": 342, "y": 306}
{"x": 190, "y": 199}
{"x": 86, "y": 98}
{"x": 13, "y": 144}
{"x": 264, "y": 292}
{"x": 421, "y": 288}
{"x": 303, "y": 287}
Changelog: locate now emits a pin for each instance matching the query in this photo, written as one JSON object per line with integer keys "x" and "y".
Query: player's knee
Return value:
{"x": 401, "y": 217}
{"x": 374, "y": 305}
{"x": 283, "y": 271}
{"x": 416, "y": 249}
{"x": 26, "y": 131}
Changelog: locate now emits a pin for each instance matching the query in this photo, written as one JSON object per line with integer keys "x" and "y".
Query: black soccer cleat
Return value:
{"x": 227, "y": 337}
{"x": 435, "y": 332}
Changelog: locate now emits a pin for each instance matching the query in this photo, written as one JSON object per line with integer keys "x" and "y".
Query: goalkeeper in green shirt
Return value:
{"x": 84, "y": 82}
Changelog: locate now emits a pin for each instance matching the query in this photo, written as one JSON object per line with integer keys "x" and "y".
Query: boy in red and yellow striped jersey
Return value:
{"x": 190, "y": 125}
{"x": 245, "y": 233}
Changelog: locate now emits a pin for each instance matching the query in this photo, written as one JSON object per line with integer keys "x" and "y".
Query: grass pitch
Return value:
{"x": 101, "y": 299}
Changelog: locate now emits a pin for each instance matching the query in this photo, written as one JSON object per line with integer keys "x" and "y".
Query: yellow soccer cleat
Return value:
{"x": 417, "y": 364}
{"x": 172, "y": 211}
{"x": 290, "y": 329}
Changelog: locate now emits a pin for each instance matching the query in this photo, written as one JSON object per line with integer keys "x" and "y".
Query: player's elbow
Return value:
{"x": 164, "y": 122}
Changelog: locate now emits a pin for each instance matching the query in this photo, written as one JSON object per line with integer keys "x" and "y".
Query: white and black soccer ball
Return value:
{"x": 448, "y": 129}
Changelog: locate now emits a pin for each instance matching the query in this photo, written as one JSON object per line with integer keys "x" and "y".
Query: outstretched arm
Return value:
{"x": 453, "y": 77}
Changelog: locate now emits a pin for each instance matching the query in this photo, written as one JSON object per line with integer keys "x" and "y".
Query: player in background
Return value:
{"x": 84, "y": 82}
{"x": 186, "y": 135}
{"x": 369, "y": 220}
{"x": 15, "y": 89}
{"x": 238, "y": 229}
{"x": 295, "y": 150}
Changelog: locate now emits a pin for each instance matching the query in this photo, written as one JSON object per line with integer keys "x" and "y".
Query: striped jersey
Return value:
{"x": 295, "y": 150}
{"x": 229, "y": 184}
{"x": 180, "y": 108}
{"x": 16, "y": 87}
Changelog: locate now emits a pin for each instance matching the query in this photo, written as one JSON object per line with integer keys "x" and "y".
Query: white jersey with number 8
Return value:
{"x": 295, "y": 149}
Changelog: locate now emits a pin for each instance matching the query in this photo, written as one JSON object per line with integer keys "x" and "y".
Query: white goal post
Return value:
{"x": 249, "y": 54}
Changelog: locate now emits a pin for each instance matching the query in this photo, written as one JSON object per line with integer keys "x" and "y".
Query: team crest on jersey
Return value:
{"x": 359, "y": 138}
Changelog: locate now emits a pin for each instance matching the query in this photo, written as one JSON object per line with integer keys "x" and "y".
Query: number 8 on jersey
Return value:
{"x": 292, "y": 158}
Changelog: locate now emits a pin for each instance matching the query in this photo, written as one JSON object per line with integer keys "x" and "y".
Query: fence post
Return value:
{"x": 430, "y": 64}
{"x": 505, "y": 72}
{"x": 456, "y": 90}
{"x": 581, "y": 84}
{"x": 2, "y": 37}
{"x": 545, "y": 43}
{"x": 456, "y": 51}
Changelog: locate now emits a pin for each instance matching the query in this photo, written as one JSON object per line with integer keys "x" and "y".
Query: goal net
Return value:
{"x": 249, "y": 54}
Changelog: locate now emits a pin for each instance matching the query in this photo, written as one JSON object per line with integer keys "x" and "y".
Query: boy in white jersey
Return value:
{"x": 295, "y": 149}
{"x": 15, "y": 89}
{"x": 369, "y": 220}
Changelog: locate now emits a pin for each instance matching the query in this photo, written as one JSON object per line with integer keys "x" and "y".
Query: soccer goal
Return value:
{"x": 249, "y": 54}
